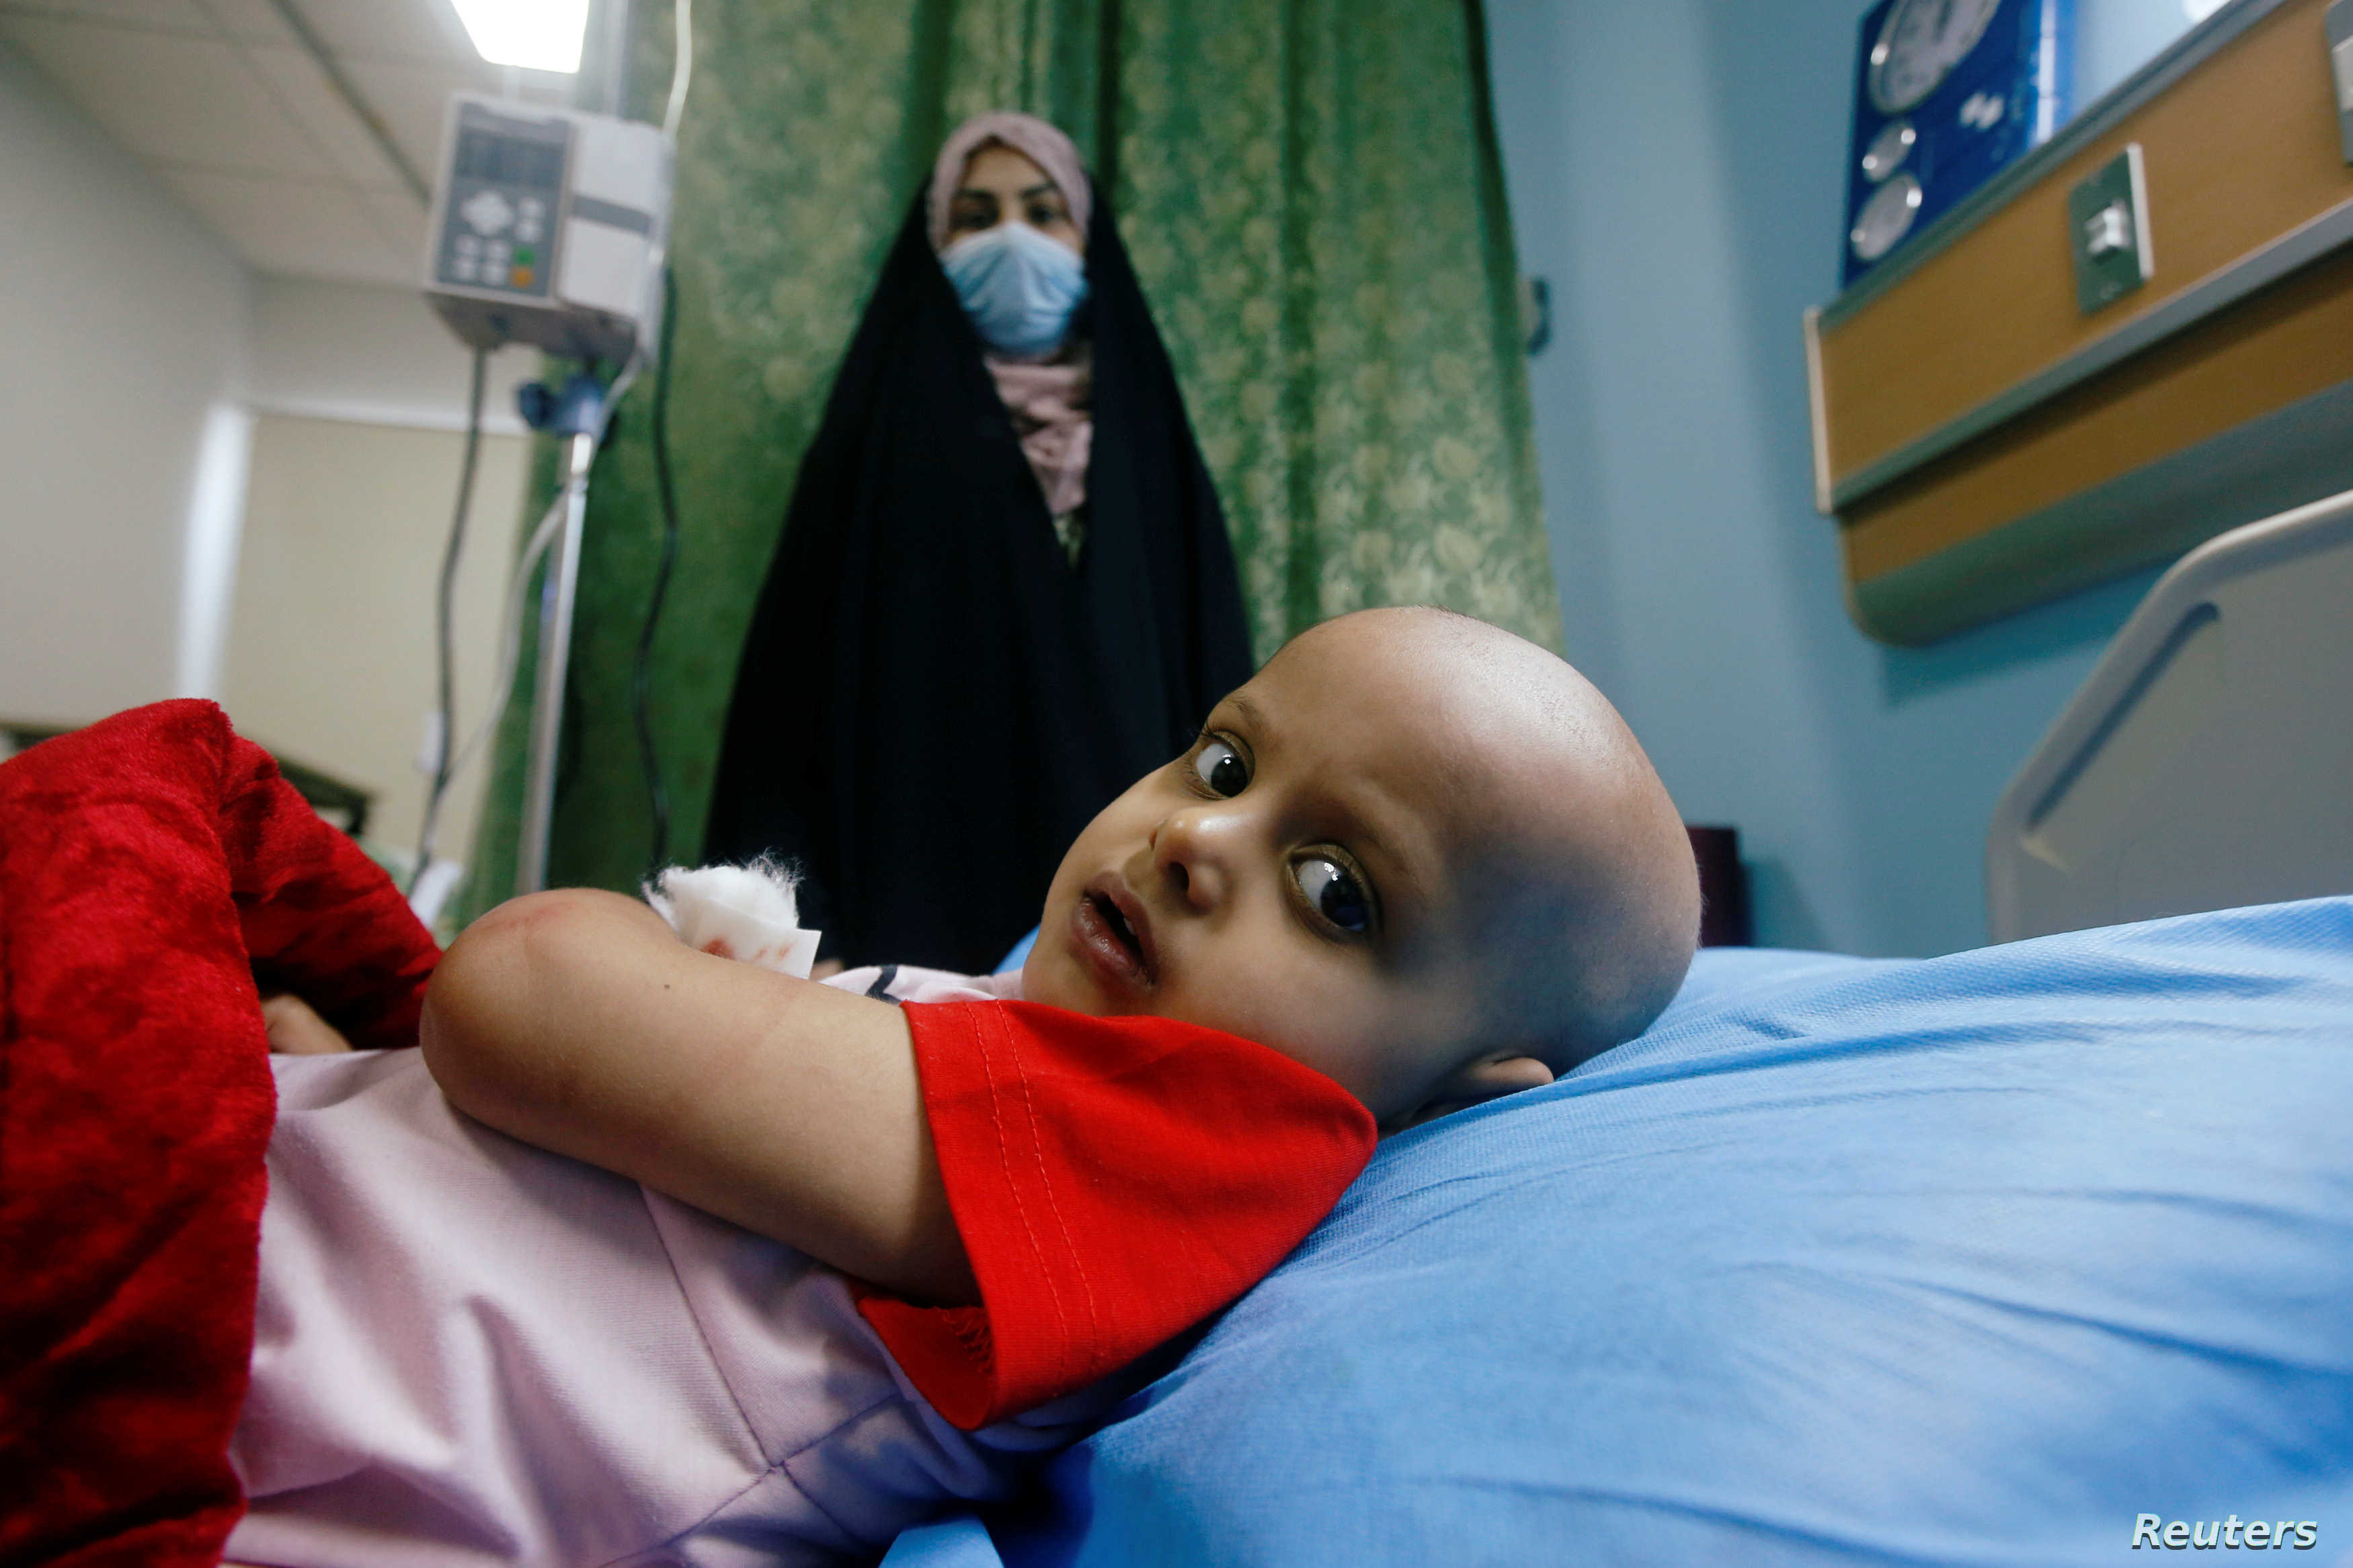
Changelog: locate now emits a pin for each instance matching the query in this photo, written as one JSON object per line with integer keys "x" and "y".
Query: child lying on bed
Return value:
{"x": 1416, "y": 863}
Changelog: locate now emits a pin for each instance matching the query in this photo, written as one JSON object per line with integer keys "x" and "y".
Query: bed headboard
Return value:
{"x": 2208, "y": 762}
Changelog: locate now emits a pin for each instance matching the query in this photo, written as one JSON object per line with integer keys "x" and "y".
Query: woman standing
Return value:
{"x": 1003, "y": 590}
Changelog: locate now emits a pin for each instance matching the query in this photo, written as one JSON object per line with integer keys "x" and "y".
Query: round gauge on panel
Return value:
{"x": 1886, "y": 218}
{"x": 1920, "y": 45}
{"x": 1888, "y": 150}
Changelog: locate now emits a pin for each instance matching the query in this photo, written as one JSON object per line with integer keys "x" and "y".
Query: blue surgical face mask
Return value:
{"x": 1017, "y": 286}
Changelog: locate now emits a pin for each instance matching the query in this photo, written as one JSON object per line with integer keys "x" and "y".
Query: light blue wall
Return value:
{"x": 1674, "y": 170}
{"x": 2115, "y": 38}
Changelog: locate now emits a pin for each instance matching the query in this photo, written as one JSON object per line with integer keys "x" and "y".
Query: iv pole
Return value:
{"x": 577, "y": 413}
{"x": 556, "y": 592}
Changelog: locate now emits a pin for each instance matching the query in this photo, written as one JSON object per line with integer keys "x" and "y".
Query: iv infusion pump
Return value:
{"x": 549, "y": 229}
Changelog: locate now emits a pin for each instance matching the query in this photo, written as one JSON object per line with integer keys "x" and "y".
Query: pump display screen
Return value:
{"x": 495, "y": 159}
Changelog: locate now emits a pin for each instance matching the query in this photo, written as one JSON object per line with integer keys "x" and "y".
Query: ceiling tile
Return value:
{"x": 179, "y": 100}
{"x": 302, "y": 89}
{"x": 156, "y": 16}
{"x": 414, "y": 99}
{"x": 318, "y": 230}
{"x": 401, "y": 219}
{"x": 424, "y": 31}
{"x": 252, "y": 21}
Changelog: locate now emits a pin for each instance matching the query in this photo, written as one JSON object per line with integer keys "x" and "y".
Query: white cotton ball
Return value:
{"x": 743, "y": 912}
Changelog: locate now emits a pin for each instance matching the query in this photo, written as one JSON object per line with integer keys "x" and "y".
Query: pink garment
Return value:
{"x": 1050, "y": 399}
{"x": 1049, "y": 404}
{"x": 473, "y": 1353}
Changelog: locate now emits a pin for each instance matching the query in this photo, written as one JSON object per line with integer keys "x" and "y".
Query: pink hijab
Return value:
{"x": 1041, "y": 143}
{"x": 1050, "y": 399}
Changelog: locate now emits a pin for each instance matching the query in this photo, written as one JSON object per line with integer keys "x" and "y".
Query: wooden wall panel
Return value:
{"x": 2286, "y": 343}
{"x": 2240, "y": 151}
{"x": 1967, "y": 394}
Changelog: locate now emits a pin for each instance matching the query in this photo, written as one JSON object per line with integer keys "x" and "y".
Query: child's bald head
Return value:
{"x": 1416, "y": 852}
{"x": 1576, "y": 873}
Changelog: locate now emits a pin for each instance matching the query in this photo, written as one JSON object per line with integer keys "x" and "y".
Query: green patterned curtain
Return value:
{"x": 1312, "y": 197}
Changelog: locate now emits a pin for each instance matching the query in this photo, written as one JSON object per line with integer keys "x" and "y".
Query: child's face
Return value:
{"x": 1311, "y": 874}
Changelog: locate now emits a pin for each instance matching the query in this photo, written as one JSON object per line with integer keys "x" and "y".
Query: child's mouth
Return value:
{"x": 1110, "y": 942}
{"x": 1118, "y": 923}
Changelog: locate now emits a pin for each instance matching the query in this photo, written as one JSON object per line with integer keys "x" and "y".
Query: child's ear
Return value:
{"x": 1475, "y": 1083}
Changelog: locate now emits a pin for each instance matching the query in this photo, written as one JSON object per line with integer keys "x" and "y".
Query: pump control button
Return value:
{"x": 487, "y": 212}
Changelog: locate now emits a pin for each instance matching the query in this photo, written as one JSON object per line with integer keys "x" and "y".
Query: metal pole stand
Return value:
{"x": 578, "y": 413}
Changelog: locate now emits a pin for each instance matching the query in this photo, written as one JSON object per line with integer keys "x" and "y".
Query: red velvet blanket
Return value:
{"x": 155, "y": 875}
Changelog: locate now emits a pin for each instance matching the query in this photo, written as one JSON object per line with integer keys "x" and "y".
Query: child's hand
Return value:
{"x": 749, "y": 914}
{"x": 296, "y": 1031}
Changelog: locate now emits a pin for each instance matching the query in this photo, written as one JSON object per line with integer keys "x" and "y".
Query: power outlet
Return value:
{"x": 2108, "y": 230}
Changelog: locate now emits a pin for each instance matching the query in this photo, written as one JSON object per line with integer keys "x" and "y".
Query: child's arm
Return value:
{"x": 577, "y": 1020}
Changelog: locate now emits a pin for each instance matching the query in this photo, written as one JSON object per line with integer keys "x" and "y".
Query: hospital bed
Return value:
{"x": 2208, "y": 762}
{"x": 2028, "y": 1255}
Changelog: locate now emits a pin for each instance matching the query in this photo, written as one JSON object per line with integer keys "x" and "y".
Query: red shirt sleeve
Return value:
{"x": 1114, "y": 1181}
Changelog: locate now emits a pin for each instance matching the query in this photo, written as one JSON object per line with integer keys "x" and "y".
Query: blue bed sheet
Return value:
{"x": 1976, "y": 1260}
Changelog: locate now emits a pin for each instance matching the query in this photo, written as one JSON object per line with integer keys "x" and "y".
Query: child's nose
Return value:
{"x": 1190, "y": 853}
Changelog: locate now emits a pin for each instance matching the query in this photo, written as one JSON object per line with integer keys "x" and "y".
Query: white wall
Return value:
{"x": 371, "y": 356}
{"x": 123, "y": 324}
{"x": 359, "y": 397}
{"x": 331, "y": 658}
{"x": 152, "y": 389}
{"x": 1675, "y": 169}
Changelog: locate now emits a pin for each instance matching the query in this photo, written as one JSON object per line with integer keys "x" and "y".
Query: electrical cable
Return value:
{"x": 641, "y": 667}
{"x": 681, "y": 70}
{"x": 444, "y": 637}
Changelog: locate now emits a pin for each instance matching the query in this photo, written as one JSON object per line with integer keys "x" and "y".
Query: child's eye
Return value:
{"x": 1334, "y": 892}
{"x": 1218, "y": 765}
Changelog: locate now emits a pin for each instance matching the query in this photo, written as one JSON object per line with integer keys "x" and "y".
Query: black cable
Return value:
{"x": 641, "y": 669}
{"x": 445, "y": 633}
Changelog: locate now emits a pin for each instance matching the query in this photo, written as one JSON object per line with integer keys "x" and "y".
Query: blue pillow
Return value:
{"x": 1021, "y": 953}
{"x": 1992, "y": 1258}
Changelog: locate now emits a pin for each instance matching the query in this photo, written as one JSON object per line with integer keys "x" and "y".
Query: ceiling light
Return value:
{"x": 537, "y": 34}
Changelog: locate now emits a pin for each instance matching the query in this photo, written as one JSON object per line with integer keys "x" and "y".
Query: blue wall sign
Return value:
{"x": 1947, "y": 94}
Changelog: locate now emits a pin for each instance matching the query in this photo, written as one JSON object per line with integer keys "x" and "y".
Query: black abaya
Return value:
{"x": 932, "y": 700}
